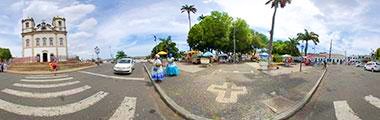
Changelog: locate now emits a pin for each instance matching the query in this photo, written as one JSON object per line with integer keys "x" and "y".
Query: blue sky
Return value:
{"x": 129, "y": 25}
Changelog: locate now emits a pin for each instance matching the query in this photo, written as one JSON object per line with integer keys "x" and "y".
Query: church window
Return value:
{"x": 51, "y": 43}
{"x": 27, "y": 42}
{"x": 44, "y": 41}
{"x": 61, "y": 41}
{"x": 37, "y": 41}
{"x": 60, "y": 23}
{"x": 27, "y": 24}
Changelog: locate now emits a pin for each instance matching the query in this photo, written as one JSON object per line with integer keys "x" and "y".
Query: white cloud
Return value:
{"x": 329, "y": 19}
{"x": 160, "y": 17}
{"x": 88, "y": 24}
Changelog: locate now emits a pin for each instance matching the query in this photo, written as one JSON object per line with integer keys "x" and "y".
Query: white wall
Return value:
{"x": 50, "y": 49}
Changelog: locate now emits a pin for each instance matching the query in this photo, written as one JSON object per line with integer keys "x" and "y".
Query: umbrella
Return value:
{"x": 286, "y": 55}
{"x": 207, "y": 54}
{"x": 162, "y": 53}
{"x": 263, "y": 54}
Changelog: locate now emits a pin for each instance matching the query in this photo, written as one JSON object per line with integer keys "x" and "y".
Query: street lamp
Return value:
{"x": 97, "y": 51}
{"x": 234, "y": 43}
{"x": 302, "y": 46}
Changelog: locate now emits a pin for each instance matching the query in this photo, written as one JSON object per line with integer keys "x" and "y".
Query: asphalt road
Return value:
{"x": 92, "y": 94}
{"x": 346, "y": 93}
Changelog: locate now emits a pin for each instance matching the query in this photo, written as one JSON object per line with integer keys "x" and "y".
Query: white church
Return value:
{"x": 44, "y": 42}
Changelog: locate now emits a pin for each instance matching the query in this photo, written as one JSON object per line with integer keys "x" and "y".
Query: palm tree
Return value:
{"x": 308, "y": 36}
{"x": 275, "y": 4}
{"x": 201, "y": 17}
{"x": 292, "y": 46}
{"x": 189, "y": 9}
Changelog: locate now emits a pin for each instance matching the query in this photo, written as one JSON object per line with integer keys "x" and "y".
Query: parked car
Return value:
{"x": 124, "y": 65}
{"x": 359, "y": 64}
{"x": 372, "y": 66}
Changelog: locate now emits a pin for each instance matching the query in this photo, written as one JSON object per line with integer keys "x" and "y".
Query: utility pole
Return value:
{"x": 330, "y": 49}
{"x": 111, "y": 52}
{"x": 234, "y": 44}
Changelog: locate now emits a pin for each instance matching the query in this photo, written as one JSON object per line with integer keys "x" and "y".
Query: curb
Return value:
{"x": 171, "y": 103}
{"x": 47, "y": 72}
{"x": 293, "y": 110}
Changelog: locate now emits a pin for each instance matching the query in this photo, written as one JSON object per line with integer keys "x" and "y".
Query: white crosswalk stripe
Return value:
{"x": 46, "y": 95}
{"x": 113, "y": 77}
{"x": 344, "y": 112}
{"x": 373, "y": 100}
{"x": 45, "y": 85}
{"x": 45, "y": 76}
{"x": 48, "y": 80}
{"x": 126, "y": 110}
{"x": 52, "y": 111}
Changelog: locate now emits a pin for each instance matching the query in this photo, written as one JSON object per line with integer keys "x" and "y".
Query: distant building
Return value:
{"x": 45, "y": 42}
{"x": 335, "y": 58}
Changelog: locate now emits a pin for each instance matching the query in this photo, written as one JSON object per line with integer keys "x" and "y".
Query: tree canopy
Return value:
{"x": 377, "y": 54}
{"x": 167, "y": 45}
{"x": 308, "y": 36}
{"x": 216, "y": 32}
{"x": 5, "y": 54}
{"x": 286, "y": 47}
{"x": 120, "y": 54}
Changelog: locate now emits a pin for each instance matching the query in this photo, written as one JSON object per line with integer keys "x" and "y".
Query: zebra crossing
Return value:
{"x": 125, "y": 111}
{"x": 343, "y": 111}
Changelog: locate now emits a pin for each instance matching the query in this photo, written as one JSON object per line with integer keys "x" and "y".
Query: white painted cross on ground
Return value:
{"x": 227, "y": 93}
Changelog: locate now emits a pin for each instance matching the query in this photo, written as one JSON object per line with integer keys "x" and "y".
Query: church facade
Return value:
{"x": 45, "y": 42}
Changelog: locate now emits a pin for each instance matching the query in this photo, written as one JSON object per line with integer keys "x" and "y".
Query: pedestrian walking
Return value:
{"x": 1, "y": 66}
{"x": 5, "y": 66}
{"x": 171, "y": 67}
{"x": 157, "y": 70}
{"x": 54, "y": 67}
{"x": 324, "y": 64}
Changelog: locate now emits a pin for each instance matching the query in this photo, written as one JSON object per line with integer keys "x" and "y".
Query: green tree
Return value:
{"x": 259, "y": 41}
{"x": 377, "y": 55}
{"x": 243, "y": 36}
{"x": 5, "y": 54}
{"x": 188, "y": 9}
{"x": 120, "y": 54}
{"x": 274, "y": 4}
{"x": 167, "y": 45}
{"x": 201, "y": 17}
{"x": 308, "y": 36}
{"x": 292, "y": 47}
{"x": 286, "y": 47}
{"x": 212, "y": 33}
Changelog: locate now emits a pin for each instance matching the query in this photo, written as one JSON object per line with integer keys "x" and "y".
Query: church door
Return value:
{"x": 44, "y": 57}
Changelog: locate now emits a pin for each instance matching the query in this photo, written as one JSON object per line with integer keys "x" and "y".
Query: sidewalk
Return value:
{"x": 238, "y": 91}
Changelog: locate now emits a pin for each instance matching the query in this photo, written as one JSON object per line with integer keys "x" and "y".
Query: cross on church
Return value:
{"x": 227, "y": 93}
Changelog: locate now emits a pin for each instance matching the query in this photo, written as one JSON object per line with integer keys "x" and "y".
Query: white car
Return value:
{"x": 125, "y": 65}
{"x": 372, "y": 66}
{"x": 359, "y": 64}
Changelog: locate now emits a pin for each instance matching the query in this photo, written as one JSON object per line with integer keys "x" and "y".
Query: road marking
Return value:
{"x": 45, "y": 76}
{"x": 126, "y": 110}
{"x": 344, "y": 112}
{"x": 45, "y": 95}
{"x": 225, "y": 89}
{"x": 45, "y": 85}
{"x": 373, "y": 100}
{"x": 48, "y": 80}
{"x": 52, "y": 111}
{"x": 114, "y": 77}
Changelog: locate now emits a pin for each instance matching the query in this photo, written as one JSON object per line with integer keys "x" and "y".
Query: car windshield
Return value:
{"x": 125, "y": 61}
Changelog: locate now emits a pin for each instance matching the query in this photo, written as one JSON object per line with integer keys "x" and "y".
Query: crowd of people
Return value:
{"x": 158, "y": 72}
